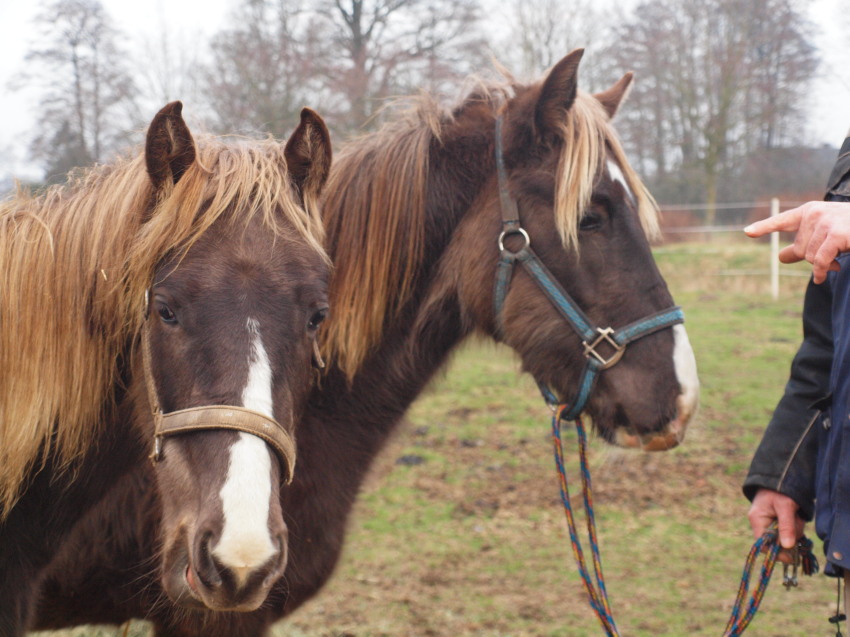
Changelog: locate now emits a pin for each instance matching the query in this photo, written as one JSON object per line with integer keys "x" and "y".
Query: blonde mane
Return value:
{"x": 588, "y": 134}
{"x": 75, "y": 264}
{"x": 375, "y": 210}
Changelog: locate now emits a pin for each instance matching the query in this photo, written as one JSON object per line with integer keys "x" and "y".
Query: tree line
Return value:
{"x": 718, "y": 82}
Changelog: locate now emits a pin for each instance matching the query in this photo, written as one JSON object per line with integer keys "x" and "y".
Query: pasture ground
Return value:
{"x": 459, "y": 530}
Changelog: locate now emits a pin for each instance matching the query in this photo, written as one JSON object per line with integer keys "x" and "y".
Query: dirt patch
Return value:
{"x": 512, "y": 573}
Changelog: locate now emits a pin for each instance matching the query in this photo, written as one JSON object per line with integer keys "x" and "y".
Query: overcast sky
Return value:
{"x": 829, "y": 102}
{"x": 137, "y": 19}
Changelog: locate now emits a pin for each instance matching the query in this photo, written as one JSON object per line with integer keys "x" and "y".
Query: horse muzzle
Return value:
{"x": 203, "y": 582}
{"x": 671, "y": 436}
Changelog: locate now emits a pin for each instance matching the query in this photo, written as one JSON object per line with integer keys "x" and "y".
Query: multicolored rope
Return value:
{"x": 597, "y": 594}
{"x": 739, "y": 621}
{"x": 768, "y": 544}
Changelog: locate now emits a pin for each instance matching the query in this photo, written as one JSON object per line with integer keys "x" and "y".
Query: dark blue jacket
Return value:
{"x": 832, "y": 512}
{"x": 802, "y": 450}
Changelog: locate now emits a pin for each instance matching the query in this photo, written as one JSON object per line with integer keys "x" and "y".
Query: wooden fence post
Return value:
{"x": 774, "y": 252}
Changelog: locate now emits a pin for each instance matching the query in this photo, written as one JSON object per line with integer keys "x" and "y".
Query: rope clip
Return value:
{"x": 790, "y": 581}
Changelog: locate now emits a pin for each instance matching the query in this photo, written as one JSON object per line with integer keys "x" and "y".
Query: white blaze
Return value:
{"x": 246, "y": 543}
{"x": 686, "y": 371}
{"x": 616, "y": 174}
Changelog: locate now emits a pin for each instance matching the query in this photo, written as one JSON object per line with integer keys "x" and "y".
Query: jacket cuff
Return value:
{"x": 804, "y": 501}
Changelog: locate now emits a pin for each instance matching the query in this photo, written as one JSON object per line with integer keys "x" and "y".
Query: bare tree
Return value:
{"x": 264, "y": 68}
{"x": 717, "y": 80}
{"x": 341, "y": 56}
{"x": 384, "y": 47}
{"x": 540, "y": 33}
{"x": 86, "y": 108}
{"x": 173, "y": 63}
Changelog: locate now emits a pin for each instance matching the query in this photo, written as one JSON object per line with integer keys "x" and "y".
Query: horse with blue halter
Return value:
{"x": 430, "y": 224}
{"x": 163, "y": 304}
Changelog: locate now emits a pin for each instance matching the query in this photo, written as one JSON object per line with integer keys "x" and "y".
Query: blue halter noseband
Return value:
{"x": 592, "y": 337}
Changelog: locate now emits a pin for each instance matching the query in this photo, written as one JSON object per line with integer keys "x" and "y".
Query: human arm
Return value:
{"x": 781, "y": 480}
{"x": 822, "y": 227}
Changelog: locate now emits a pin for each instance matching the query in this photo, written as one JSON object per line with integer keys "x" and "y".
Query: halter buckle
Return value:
{"x": 156, "y": 454}
{"x": 604, "y": 337}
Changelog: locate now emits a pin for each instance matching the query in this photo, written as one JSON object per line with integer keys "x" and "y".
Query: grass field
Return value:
{"x": 472, "y": 540}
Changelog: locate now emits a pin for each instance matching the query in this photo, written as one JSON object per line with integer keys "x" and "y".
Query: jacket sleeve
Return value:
{"x": 786, "y": 457}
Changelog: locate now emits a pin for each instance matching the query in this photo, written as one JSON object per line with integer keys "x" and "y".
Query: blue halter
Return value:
{"x": 592, "y": 337}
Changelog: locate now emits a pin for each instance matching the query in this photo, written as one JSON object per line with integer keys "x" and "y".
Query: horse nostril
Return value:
{"x": 205, "y": 565}
{"x": 277, "y": 566}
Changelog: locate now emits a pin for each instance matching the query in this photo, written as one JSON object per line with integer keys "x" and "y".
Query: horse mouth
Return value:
{"x": 191, "y": 582}
{"x": 182, "y": 587}
{"x": 186, "y": 588}
{"x": 672, "y": 435}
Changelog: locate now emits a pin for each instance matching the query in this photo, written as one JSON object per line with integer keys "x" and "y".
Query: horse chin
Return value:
{"x": 671, "y": 435}
{"x": 647, "y": 442}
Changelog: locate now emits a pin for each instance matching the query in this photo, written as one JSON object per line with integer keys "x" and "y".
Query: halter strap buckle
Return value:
{"x": 605, "y": 336}
{"x": 156, "y": 455}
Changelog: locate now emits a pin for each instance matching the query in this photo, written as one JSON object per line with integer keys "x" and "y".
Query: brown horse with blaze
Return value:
{"x": 170, "y": 301}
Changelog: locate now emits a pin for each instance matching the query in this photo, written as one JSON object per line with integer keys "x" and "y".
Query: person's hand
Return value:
{"x": 769, "y": 506}
{"x": 823, "y": 232}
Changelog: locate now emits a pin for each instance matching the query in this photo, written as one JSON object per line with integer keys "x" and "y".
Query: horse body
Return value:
{"x": 412, "y": 222}
{"x": 160, "y": 283}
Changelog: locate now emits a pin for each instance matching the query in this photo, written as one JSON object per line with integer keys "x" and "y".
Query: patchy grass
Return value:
{"x": 472, "y": 540}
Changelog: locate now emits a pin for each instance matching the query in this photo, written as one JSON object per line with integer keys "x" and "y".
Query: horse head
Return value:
{"x": 577, "y": 293}
{"x": 228, "y": 349}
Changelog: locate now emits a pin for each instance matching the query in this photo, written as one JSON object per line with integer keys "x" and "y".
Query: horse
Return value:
{"x": 429, "y": 222}
{"x": 167, "y": 301}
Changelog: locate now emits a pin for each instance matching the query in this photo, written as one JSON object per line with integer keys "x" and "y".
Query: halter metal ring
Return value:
{"x": 604, "y": 336}
{"x": 506, "y": 233}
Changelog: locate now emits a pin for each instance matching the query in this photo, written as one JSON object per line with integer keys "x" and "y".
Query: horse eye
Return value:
{"x": 316, "y": 319}
{"x": 590, "y": 221}
{"x": 166, "y": 314}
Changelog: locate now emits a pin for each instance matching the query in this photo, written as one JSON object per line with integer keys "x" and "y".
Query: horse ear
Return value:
{"x": 613, "y": 97}
{"x": 558, "y": 93}
{"x": 308, "y": 154}
{"x": 169, "y": 148}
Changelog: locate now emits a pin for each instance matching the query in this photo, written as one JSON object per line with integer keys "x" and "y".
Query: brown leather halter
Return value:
{"x": 212, "y": 417}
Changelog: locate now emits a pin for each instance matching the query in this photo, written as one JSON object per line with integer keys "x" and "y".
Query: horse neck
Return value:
{"x": 346, "y": 423}
{"x": 417, "y": 342}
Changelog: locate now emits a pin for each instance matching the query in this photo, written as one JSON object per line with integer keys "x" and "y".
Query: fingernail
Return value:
{"x": 748, "y": 229}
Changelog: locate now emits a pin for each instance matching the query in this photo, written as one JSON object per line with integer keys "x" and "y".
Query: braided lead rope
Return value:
{"x": 740, "y": 617}
{"x": 769, "y": 544}
{"x": 598, "y": 594}
{"x": 587, "y": 496}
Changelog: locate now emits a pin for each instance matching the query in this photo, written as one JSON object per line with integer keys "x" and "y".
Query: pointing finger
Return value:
{"x": 787, "y": 221}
